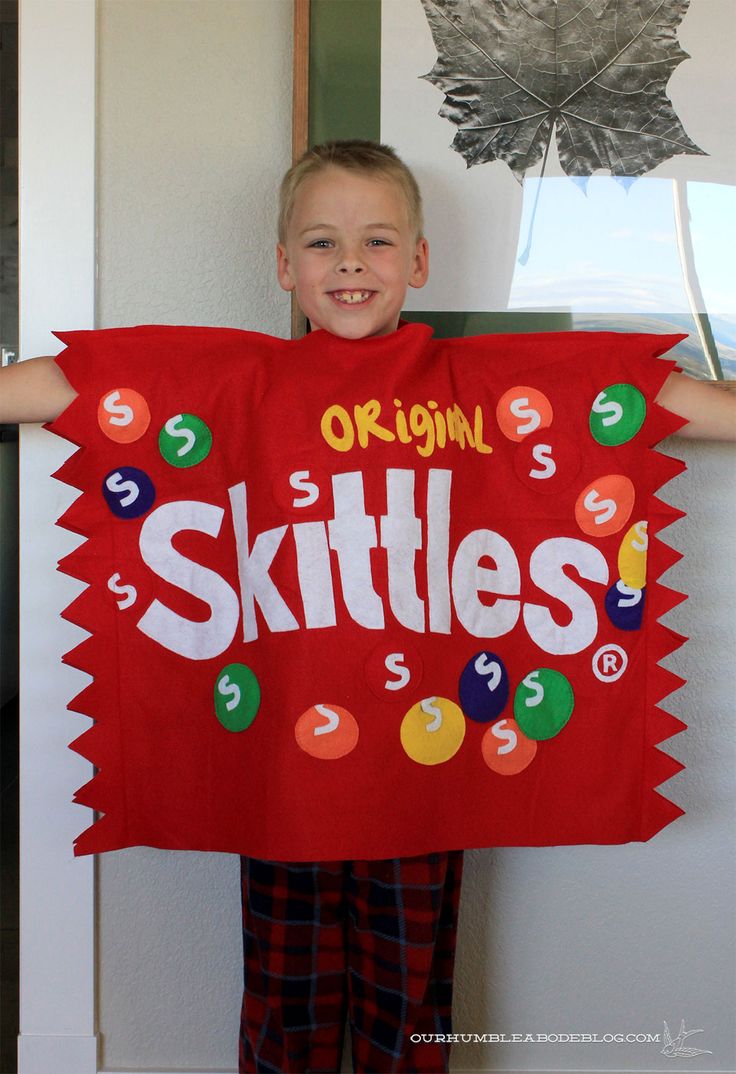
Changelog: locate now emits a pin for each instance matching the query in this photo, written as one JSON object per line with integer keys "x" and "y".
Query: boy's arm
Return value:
{"x": 710, "y": 408}
{"x": 34, "y": 390}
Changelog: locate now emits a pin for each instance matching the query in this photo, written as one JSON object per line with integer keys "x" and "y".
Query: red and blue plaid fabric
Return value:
{"x": 373, "y": 941}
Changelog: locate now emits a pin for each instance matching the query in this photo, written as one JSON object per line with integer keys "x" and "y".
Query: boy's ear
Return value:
{"x": 420, "y": 271}
{"x": 283, "y": 270}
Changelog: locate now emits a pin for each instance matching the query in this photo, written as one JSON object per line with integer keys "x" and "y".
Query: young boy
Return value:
{"x": 373, "y": 939}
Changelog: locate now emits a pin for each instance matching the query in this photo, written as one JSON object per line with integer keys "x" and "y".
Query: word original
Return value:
{"x": 427, "y": 427}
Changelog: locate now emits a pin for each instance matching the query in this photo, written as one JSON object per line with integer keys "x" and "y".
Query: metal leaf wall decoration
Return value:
{"x": 590, "y": 72}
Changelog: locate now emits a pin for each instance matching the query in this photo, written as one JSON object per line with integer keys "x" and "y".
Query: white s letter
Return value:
{"x": 193, "y": 640}
{"x": 546, "y": 571}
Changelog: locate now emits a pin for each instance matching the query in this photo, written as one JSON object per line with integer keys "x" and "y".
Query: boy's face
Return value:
{"x": 350, "y": 254}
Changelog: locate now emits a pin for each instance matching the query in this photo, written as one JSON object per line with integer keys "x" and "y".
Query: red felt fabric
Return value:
{"x": 451, "y": 573}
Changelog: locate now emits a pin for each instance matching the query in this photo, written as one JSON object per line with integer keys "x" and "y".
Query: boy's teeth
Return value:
{"x": 352, "y": 296}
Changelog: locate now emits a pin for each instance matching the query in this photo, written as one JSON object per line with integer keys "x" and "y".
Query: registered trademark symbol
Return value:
{"x": 609, "y": 663}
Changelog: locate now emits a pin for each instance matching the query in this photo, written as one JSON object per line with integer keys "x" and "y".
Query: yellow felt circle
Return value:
{"x": 433, "y": 730}
{"x": 632, "y": 556}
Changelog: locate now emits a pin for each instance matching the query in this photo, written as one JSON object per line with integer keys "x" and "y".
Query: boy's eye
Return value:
{"x": 378, "y": 242}
{"x": 321, "y": 244}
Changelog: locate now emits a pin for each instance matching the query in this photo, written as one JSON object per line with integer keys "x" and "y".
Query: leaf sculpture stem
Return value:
{"x": 524, "y": 255}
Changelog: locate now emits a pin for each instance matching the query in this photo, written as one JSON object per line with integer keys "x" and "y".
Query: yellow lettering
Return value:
{"x": 480, "y": 446}
{"x": 343, "y": 440}
{"x": 441, "y": 428}
{"x": 401, "y": 430}
{"x": 458, "y": 427}
{"x": 421, "y": 424}
{"x": 366, "y": 422}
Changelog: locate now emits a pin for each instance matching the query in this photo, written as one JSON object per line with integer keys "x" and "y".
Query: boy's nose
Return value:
{"x": 350, "y": 262}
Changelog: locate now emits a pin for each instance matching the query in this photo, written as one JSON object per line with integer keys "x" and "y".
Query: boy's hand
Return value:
{"x": 34, "y": 390}
{"x": 709, "y": 408}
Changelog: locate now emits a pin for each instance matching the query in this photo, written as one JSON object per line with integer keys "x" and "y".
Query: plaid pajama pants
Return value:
{"x": 373, "y": 940}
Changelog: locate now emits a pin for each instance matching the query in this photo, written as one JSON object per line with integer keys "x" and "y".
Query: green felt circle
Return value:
{"x": 237, "y": 697}
{"x": 617, "y": 414}
{"x": 543, "y": 703}
{"x": 185, "y": 440}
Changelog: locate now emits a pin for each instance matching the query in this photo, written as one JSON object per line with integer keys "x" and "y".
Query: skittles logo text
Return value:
{"x": 486, "y": 600}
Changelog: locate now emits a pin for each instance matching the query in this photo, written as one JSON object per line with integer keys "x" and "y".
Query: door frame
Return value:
{"x": 57, "y": 78}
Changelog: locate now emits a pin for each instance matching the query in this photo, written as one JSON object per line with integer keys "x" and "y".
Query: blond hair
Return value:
{"x": 357, "y": 155}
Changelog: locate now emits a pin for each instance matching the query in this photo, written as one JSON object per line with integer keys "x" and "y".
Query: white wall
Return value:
{"x": 194, "y": 135}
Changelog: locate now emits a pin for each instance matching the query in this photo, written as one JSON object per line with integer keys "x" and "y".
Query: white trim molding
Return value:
{"x": 57, "y": 291}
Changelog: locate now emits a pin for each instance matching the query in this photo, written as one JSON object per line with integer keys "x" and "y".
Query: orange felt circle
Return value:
{"x": 326, "y": 731}
{"x": 506, "y": 749}
{"x": 605, "y": 505}
{"x": 123, "y": 415}
{"x": 521, "y": 411}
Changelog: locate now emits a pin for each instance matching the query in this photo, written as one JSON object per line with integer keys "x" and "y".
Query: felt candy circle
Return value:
{"x": 185, "y": 440}
{"x": 548, "y": 461}
{"x": 605, "y": 505}
{"x": 123, "y": 415}
{"x": 625, "y": 606}
{"x": 521, "y": 411}
{"x": 433, "y": 730}
{"x": 543, "y": 703}
{"x": 632, "y": 556}
{"x": 484, "y": 687}
{"x": 327, "y": 731}
{"x": 237, "y": 697}
{"x": 388, "y": 670}
{"x": 302, "y": 489}
{"x": 506, "y": 749}
{"x": 128, "y": 491}
{"x": 617, "y": 414}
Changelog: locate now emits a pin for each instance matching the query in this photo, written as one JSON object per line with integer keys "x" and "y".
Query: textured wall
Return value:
{"x": 194, "y": 134}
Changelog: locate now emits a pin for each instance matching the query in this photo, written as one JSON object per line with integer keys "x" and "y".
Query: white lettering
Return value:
{"x": 546, "y": 571}
{"x": 642, "y": 540}
{"x": 520, "y": 409}
{"x": 506, "y": 734}
{"x": 256, "y": 585}
{"x": 315, "y": 576}
{"x": 333, "y": 720}
{"x": 438, "y": 550}
{"x": 300, "y": 482}
{"x": 532, "y": 683}
{"x": 352, "y": 536}
{"x": 172, "y": 428}
{"x": 120, "y": 413}
{"x": 401, "y": 536}
{"x": 193, "y": 640}
{"x": 614, "y": 410}
{"x": 469, "y": 579}
{"x": 430, "y": 709}
{"x": 395, "y": 664}
{"x": 542, "y": 453}
{"x": 484, "y": 666}
{"x": 127, "y": 592}
{"x": 629, "y": 597}
{"x": 603, "y": 509}
{"x": 226, "y": 688}
{"x": 116, "y": 484}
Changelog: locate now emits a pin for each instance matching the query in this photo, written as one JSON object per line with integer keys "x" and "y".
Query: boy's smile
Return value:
{"x": 350, "y": 253}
